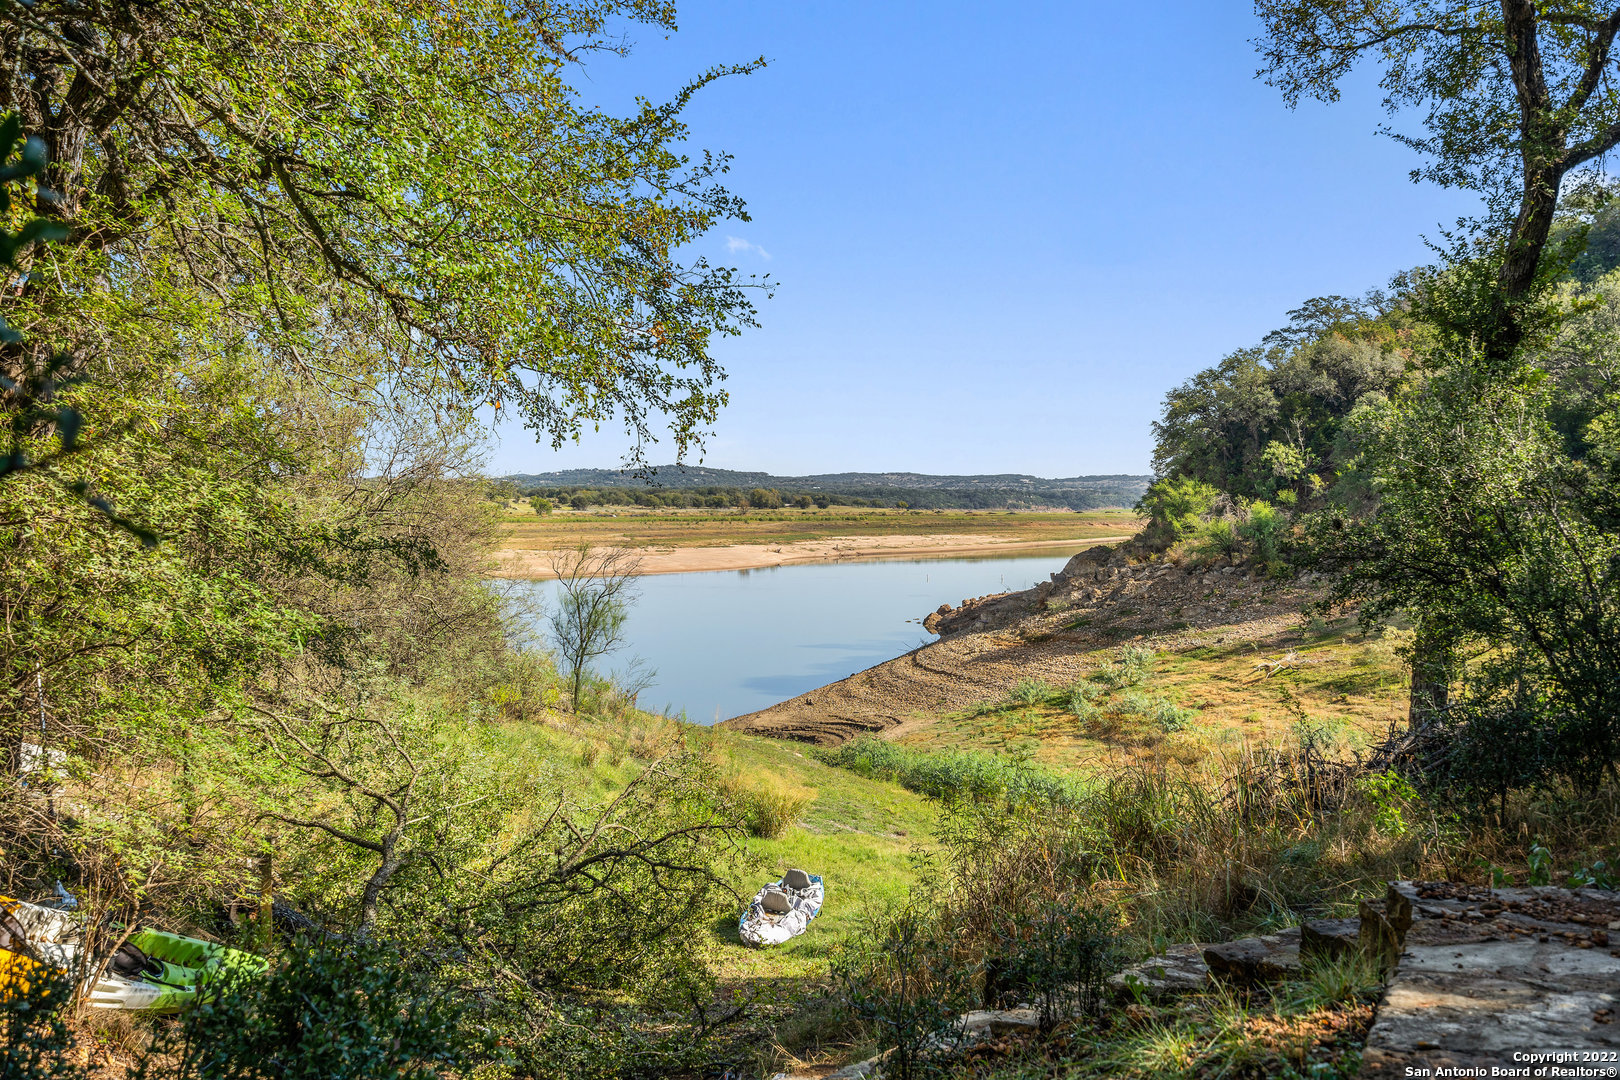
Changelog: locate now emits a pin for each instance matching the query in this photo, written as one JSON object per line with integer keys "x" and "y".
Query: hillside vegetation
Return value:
{"x": 700, "y": 487}
{"x": 266, "y": 267}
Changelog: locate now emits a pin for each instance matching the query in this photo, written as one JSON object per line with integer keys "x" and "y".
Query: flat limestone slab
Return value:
{"x": 1257, "y": 959}
{"x": 1487, "y": 978}
{"x": 1329, "y": 938}
{"x": 998, "y": 1021}
{"x": 1180, "y": 969}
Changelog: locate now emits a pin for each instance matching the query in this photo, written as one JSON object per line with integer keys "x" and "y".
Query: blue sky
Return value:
{"x": 998, "y": 241}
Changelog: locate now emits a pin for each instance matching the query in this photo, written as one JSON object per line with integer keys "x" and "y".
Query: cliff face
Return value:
{"x": 1102, "y": 597}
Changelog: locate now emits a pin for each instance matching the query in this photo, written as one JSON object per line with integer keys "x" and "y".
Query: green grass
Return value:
{"x": 858, "y": 834}
{"x": 955, "y": 775}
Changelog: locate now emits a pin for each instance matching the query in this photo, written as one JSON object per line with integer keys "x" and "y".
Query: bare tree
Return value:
{"x": 322, "y": 743}
{"x": 590, "y": 893}
{"x": 598, "y": 587}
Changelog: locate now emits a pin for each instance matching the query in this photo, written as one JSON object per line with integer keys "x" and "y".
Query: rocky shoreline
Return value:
{"x": 1104, "y": 595}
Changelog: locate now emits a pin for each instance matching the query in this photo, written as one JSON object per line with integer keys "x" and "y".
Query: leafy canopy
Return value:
{"x": 396, "y": 194}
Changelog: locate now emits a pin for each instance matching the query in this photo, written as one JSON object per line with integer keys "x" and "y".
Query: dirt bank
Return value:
{"x": 521, "y": 563}
{"x": 1101, "y": 598}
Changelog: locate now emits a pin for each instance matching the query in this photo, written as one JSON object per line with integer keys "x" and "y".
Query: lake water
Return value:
{"x": 733, "y": 641}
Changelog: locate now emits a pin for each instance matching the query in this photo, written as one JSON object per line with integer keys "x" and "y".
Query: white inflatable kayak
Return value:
{"x": 782, "y": 910}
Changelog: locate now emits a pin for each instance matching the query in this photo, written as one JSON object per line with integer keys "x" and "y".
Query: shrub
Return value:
{"x": 773, "y": 811}
{"x": 1217, "y": 537}
{"x": 1267, "y": 530}
{"x": 1060, "y": 954}
{"x": 1134, "y": 703}
{"x": 34, "y": 1040}
{"x": 908, "y": 986}
{"x": 1012, "y": 892}
{"x": 1161, "y": 711}
{"x": 1171, "y": 717}
{"x": 542, "y": 506}
{"x": 1174, "y": 507}
{"x": 347, "y": 1010}
{"x": 1131, "y": 665}
{"x": 1081, "y": 696}
{"x": 1031, "y": 692}
{"x": 767, "y": 806}
{"x": 1085, "y": 711}
{"x": 952, "y": 776}
{"x": 590, "y": 1043}
{"x": 1389, "y": 794}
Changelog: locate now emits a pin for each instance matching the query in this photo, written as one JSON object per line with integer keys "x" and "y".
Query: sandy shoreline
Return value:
{"x": 532, "y": 564}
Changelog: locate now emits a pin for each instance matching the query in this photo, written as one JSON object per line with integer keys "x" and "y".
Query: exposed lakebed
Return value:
{"x": 730, "y": 642}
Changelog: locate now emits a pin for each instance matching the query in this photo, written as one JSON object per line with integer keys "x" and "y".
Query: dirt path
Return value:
{"x": 523, "y": 563}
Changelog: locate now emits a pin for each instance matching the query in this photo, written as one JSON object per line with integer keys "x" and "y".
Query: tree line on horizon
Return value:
{"x": 1107, "y": 492}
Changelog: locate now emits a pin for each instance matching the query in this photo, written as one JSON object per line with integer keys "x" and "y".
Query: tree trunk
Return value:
{"x": 372, "y": 894}
{"x": 267, "y": 882}
{"x": 1432, "y": 659}
{"x": 1544, "y": 156}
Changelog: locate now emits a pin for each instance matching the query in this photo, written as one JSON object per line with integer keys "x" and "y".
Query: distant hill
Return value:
{"x": 921, "y": 490}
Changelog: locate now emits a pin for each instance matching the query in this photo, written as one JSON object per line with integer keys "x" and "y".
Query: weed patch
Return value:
{"x": 953, "y": 776}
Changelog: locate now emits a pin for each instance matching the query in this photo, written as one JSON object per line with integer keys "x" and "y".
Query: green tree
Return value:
{"x": 375, "y": 192}
{"x": 597, "y": 586}
{"x": 1228, "y": 424}
{"x": 340, "y": 1010}
{"x": 1267, "y": 530}
{"x": 1517, "y": 99}
{"x": 1491, "y": 530}
{"x": 1175, "y": 505}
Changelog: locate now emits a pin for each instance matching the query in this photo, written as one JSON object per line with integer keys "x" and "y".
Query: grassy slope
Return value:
{"x": 857, "y": 833}
{"x": 1346, "y": 683}
{"x": 708, "y": 528}
{"x": 860, "y": 834}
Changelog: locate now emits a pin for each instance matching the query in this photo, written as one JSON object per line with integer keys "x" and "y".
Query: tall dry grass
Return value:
{"x": 769, "y": 805}
{"x": 1245, "y": 838}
